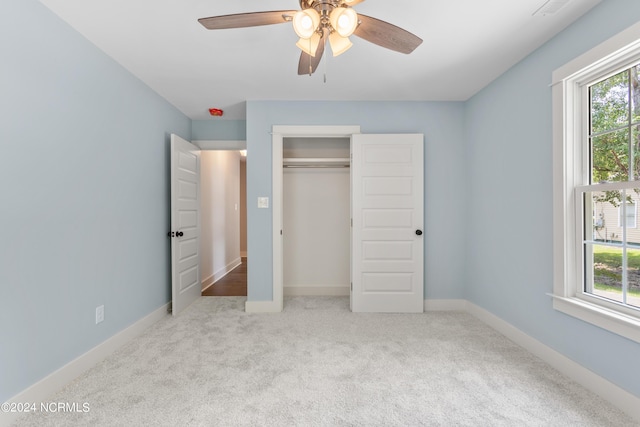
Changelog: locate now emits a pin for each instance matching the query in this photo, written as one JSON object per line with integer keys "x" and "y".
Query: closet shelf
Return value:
{"x": 316, "y": 162}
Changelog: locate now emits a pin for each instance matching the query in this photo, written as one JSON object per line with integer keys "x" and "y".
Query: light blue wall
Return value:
{"x": 84, "y": 195}
{"x": 444, "y": 183}
{"x": 219, "y": 130}
{"x": 509, "y": 164}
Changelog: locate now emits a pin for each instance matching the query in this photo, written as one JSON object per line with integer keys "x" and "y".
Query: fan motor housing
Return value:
{"x": 321, "y": 4}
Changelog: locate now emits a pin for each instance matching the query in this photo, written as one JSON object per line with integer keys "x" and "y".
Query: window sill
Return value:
{"x": 610, "y": 320}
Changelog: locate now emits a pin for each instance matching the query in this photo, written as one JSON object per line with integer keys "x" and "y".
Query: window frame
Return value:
{"x": 571, "y": 175}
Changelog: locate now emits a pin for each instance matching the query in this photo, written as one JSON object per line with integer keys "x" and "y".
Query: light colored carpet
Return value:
{"x": 318, "y": 364}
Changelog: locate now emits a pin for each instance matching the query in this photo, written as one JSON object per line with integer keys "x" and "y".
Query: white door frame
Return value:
{"x": 204, "y": 145}
{"x": 221, "y": 145}
{"x": 278, "y": 135}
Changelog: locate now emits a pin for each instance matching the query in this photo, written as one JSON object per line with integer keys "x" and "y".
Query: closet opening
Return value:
{"x": 316, "y": 216}
{"x": 355, "y": 230}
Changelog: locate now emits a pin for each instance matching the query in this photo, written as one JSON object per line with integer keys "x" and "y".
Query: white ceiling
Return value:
{"x": 467, "y": 44}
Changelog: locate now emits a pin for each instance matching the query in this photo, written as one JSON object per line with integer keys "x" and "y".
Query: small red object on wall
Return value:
{"x": 216, "y": 112}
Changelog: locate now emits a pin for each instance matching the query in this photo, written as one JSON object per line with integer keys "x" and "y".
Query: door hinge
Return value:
{"x": 351, "y": 286}
{"x": 281, "y": 232}
{"x": 351, "y": 222}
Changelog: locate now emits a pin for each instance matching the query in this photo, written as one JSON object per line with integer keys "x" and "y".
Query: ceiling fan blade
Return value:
{"x": 308, "y": 64}
{"x": 386, "y": 35}
{"x": 353, "y": 2}
{"x": 251, "y": 19}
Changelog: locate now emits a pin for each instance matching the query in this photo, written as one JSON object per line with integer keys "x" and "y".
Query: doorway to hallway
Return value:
{"x": 234, "y": 284}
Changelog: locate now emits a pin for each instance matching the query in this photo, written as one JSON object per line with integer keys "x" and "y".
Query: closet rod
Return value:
{"x": 315, "y": 166}
{"x": 316, "y": 162}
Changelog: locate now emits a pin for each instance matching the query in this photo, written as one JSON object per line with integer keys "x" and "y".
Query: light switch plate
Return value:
{"x": 99, "y": 314}
{"x": 263, "y": 202}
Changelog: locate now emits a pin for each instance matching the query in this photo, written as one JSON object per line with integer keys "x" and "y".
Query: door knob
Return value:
{"x": 179, "y": 234}
{"x": 419, "y": 232}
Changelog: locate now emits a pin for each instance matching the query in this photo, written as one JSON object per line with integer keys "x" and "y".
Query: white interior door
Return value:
{"x": 185, "y": 223}
{"x": 387, "y": 211}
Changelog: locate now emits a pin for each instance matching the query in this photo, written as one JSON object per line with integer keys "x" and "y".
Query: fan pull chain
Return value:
{"x": 310, "y": 60}
{"x": 326, "y": 59}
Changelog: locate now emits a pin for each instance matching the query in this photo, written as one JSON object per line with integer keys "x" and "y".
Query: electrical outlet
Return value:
{"x": 99, "y": 314}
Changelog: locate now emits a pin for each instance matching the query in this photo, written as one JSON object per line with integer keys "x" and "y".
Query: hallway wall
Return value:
{"x": 220, "y": 214}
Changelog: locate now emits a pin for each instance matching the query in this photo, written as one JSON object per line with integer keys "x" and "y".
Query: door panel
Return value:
{"x": 185, "y": 223}
{"x": 387, "y": 209}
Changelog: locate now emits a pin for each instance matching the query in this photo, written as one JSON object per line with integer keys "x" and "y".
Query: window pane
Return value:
{"x": 606, "y": 213}
{"x": 635, "y": 93}
{"x": 610, "y": 157}
{"x": 609, "y": 217}
{"x": 610, "y": 103}
{"x": 633, "y": 275}
{"x": 605, "y": 270}
{"x": 632, "y": 199}
{"x": 635, "y": 152}
{"x": 612, "y": 245}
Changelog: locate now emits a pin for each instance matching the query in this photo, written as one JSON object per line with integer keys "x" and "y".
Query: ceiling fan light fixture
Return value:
{"x": 322, "y": 22}
{"x": 310, "y": 45}
{"x": 305, "y": 23}
{"x": 339, "y": 44}
{"x": 344, "y": 20}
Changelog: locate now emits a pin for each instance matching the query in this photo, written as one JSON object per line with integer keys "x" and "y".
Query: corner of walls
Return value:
{"x": 509, "y": 165}
{"x": 87, "y": 180}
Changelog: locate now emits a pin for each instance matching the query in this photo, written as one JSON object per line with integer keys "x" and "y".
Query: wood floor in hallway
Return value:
{"x": 234, "y": 284}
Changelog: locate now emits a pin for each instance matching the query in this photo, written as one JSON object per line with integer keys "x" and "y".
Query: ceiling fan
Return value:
{"x": 320, "y": 21}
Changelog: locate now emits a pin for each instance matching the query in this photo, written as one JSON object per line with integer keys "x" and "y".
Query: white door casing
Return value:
{"x": 278, "y": 135}
{"x": 388, "y": 223}
{"x": 185, "y": 223}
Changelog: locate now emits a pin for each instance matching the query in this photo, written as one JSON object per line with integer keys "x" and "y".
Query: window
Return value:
{"x": 596, "y": 116}
{"x": 627, "y": 215}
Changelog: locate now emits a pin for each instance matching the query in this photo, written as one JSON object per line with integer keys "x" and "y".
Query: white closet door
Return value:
{"x": 387, "y": 235}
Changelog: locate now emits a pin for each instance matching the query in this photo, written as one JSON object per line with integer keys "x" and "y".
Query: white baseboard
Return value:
{"x": 445, "y": 305}
{"x": 262, "y": 307}
{"x": 621, "y": 398}
{"x": 207, "y": 282}
{"x": 319, "y": 291}
{"x": 221, "y": 273}
{"x": 617, "y": 396}
{"x": 226, "y": 269}
{"x": 55, "y": 381}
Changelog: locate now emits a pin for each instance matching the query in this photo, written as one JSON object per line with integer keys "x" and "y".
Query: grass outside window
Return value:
{"x": 608, "y": 273}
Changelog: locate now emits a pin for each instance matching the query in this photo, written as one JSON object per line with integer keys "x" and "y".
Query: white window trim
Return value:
{"x": 568, "y": 173}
